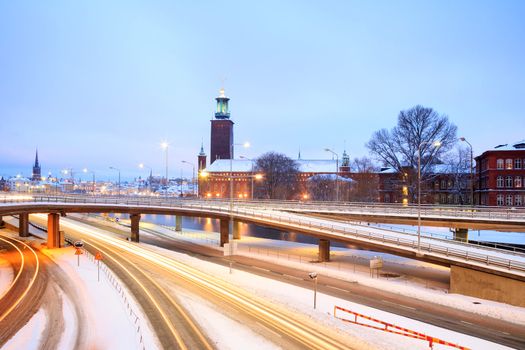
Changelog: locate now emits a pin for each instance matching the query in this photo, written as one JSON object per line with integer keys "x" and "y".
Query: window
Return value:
{"x": 443, "y": 184}
{"x": 499, "y": 200}
{"x": 517, "y": 182}
{"x": 508, "y": 164}
{"x": 517, "y": 163}
{"x": 509, "y": 200}
{"x": 500, "y": 164}
{"x": 508, "y": 181}
{"x": 517, "y": 200}
{"x": 387, "y": 198}
{"x": 499, "y": 181}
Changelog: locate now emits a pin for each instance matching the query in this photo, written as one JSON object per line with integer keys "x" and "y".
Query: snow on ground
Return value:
{"x": 108, "y": 318}
{"x": 300, "y": 300}
{"x": 218, "y": 325}
{"x": 28, "y": 338}
{"x": 70, "y": 324}
{"x": 401, "y": 286}
{"x": 6, "y": 276}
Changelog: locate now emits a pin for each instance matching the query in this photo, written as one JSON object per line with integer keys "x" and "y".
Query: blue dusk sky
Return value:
{"x": 101, "y": 83}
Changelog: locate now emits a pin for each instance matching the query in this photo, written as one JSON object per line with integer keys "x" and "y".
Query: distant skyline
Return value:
{"x": 97, "y": 84}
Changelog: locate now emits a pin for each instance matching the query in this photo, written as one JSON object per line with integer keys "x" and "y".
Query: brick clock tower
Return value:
{"x": 201, "y": 159}
{"x": 221, "y": 131}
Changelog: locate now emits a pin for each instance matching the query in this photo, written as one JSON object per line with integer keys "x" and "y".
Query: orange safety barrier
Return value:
{"x": 395, "y": 329}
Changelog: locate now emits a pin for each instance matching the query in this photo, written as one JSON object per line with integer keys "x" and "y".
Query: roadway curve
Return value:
{"x": 154, "y": 280}
{"x": 491, "y": 329}
{"x": 22, "y": 300}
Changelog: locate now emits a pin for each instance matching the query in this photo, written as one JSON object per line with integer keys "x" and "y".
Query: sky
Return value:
{"x": 102, "y": 83}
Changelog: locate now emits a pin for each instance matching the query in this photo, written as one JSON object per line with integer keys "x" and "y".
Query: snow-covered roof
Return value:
{"x": 245, "y": 165}
{"x": 331, "y": 177}
{"x": 510, "y": 147}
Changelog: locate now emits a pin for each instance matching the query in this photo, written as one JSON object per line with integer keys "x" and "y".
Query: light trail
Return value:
{"x": 22, "y": 296}
{"x": 301, "y": 333}
{"x": 181, "y": 311}
{"x": 22, "y": 262}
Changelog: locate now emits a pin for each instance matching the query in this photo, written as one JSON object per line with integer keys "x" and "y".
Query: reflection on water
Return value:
{"x": 245, "y": 229}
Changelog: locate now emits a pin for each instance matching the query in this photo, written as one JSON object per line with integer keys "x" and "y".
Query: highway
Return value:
{"x": 146, "y": 273}
{"x": 22, "y": 299}
{"x": 498, "y": 331}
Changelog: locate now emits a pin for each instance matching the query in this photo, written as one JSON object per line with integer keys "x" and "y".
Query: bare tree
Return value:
{"x": 416, "y": 127}
{"x": 458, "y": 171}
{"x": 323, "y": 187}
{"x": 366, "y": 188}
{"x": 280, "y": 176}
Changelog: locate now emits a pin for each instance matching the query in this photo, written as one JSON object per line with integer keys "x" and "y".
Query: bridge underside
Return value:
{"x": 450, "y": 223}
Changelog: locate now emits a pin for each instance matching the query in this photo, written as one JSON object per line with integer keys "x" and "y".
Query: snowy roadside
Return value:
{"x": 115, "y": 318}
{"x": 505, "y": 312}
{"x": 300, "y": 301}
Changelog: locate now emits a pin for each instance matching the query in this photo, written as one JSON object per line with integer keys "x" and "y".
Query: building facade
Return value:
{"x": 221, "y": 145}
{"x": 500, "y": 175}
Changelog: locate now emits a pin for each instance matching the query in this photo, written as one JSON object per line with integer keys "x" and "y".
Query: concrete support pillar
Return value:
{"x": 236, "y": 230}
{"x": 324, "y": 250}
{"x": 178, "y": 223}
{"x": 135, "y": 220}
{"x": 53, "y": 230}
{"x": 461, "y": 234}
{"x": 487, "y": 286}
{"x": 224, "y": 231}
{"x": 23, "y": 225}
{"x": 1, "y": 221}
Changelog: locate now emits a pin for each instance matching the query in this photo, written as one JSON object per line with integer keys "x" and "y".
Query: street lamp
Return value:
{"x": 436, "y": 144}
{"x": 85, "y": 170}
{"x": 193, "y": 175}
{"x": 165, "y": 145}
{"x": 116, "y": 169}
{"x": 471, "y": 171}
{"x": 313, "y": 275}
{"x": 336, "y": 173}
{"x": 142, "y": 166}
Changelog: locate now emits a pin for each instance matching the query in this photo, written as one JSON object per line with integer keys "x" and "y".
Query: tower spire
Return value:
{"x": 36, "y": 158}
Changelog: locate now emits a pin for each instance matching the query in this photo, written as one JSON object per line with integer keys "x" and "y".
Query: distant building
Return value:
{"x": 3, "y": 184}
{"x": 500, "y": 175}
{"x": 37, "y": 175}
{"x": 442, "y": 185}
{"x": 221, "y": 146}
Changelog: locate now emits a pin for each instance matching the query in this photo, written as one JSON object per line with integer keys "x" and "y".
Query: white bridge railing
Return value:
{"x": 459, "y": 252}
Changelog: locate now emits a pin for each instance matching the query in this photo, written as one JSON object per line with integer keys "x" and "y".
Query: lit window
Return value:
{"x": 508, "y": 164}
{"x": 509, "y": 200}
{"x": 517, "y": 163}
{"x": 500, "y": 164}
{"x": 517, "y": 182}
{"x": 499, "y": 200}
{"x": 499, "y": 181}
{"x": 508, "y": 181}
{"x": 517, "y": 200}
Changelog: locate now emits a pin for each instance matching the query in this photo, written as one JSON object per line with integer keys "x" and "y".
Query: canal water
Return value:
{"x": 252, "y": 230}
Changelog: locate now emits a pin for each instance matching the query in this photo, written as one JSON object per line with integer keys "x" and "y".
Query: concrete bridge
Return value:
{"x": 478, "y": 271}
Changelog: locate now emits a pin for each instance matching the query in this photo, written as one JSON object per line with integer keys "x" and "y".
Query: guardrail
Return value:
{"x": 458, "y": 212}
{"x": 336, "y": 230}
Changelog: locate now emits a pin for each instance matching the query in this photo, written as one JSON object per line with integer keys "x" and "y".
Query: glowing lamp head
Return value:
{"x": 204, "y": 174}
{"x": 258, "y": 176}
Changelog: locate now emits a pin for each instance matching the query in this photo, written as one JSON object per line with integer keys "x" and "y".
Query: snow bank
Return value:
{"x": 28, "y": 338}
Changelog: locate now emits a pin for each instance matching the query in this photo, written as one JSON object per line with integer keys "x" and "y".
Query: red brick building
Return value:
{"x": 440, "y": 186}
{"x": 500, "y": 175}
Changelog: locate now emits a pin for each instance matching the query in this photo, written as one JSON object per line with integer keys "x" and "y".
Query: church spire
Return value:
{"x": 36, "y": 159}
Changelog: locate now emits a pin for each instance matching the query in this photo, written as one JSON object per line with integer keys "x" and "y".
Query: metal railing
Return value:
{"x": 463, "y": 253}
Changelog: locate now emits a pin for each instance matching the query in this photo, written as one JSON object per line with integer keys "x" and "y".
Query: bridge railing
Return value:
{"x": 334, "y": 229}
{"x": 427, "y": 211}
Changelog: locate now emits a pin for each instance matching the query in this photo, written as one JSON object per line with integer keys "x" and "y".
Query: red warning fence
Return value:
{"x": 392, "y": 328}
